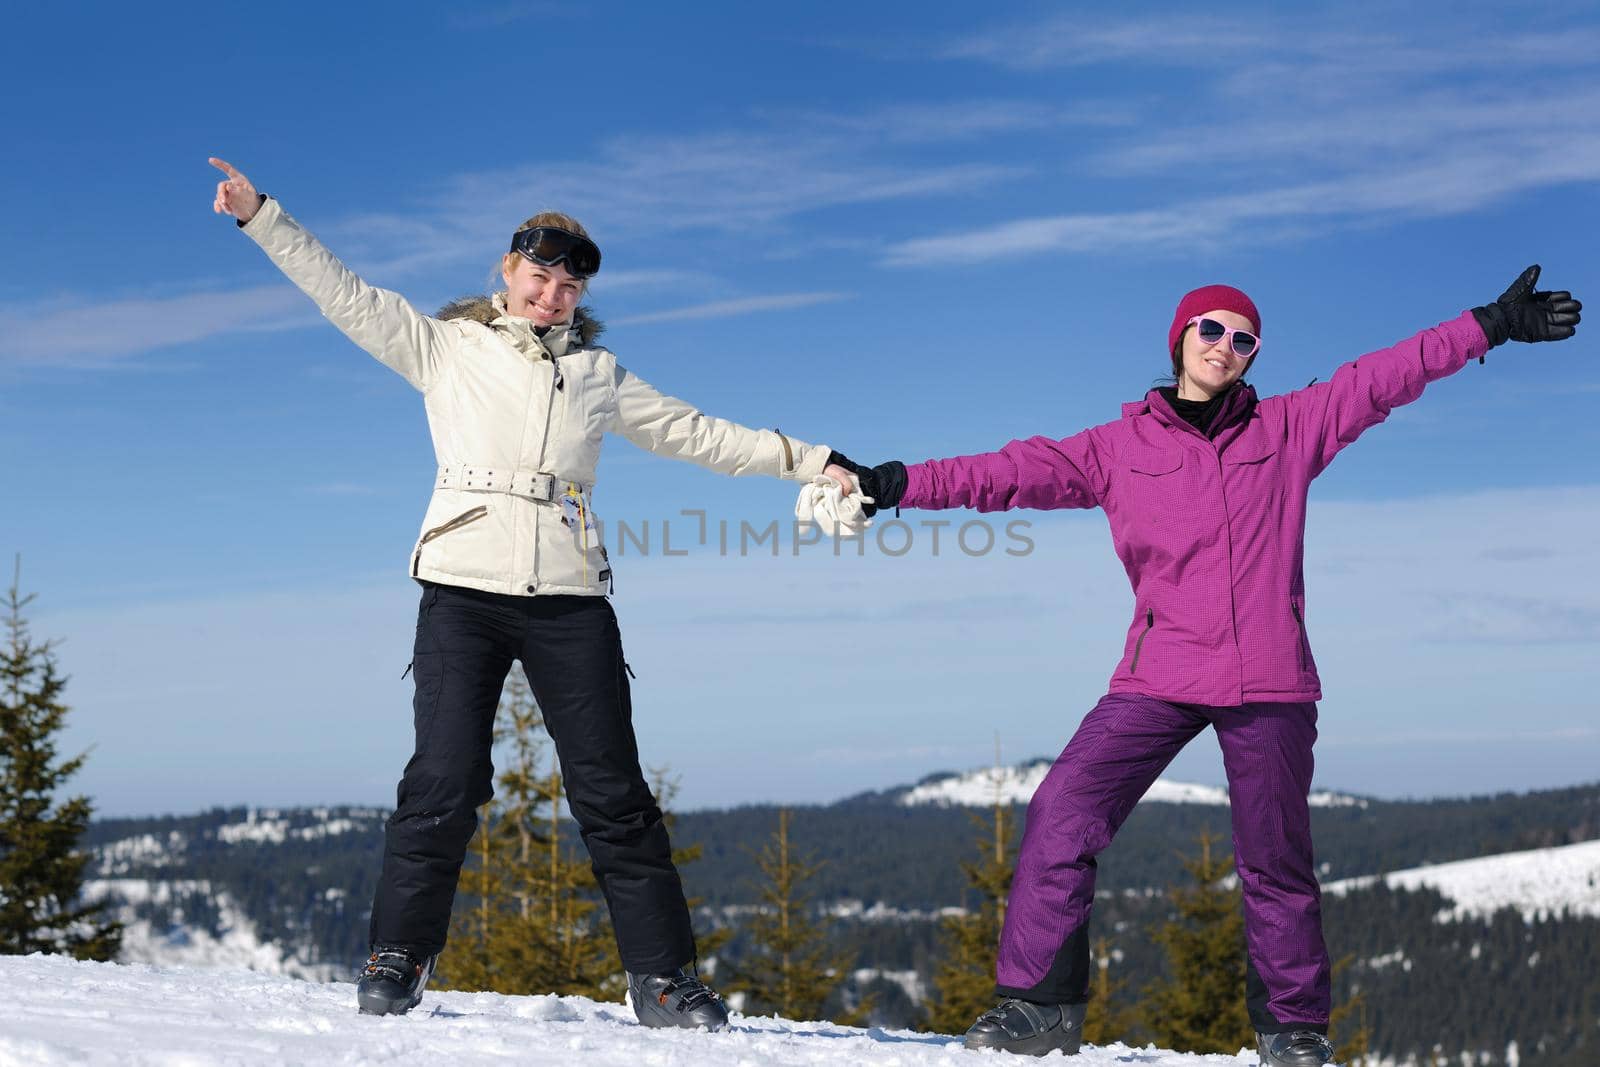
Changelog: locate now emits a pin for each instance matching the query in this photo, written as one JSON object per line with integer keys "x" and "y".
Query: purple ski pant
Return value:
{"x": 1119, "y": 750}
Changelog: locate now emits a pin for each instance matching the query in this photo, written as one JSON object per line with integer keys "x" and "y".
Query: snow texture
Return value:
{"x": 59, "y": 1011}
{"x": 1016, "y": 785}
{"x": 1538, "y": 883}
{"x": 268, "y": 828}
{"x": 234, "y": 942}
{"x": 145, "y": 850}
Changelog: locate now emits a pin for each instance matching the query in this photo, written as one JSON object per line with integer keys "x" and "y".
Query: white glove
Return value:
{"x": 823, "y": 501}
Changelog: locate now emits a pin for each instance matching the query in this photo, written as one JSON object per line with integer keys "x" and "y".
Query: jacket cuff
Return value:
{"x": 810, "y": 460}
{"x": 266, "y": 217}
{"x": 916, "y": 493}
{"x": 261, "y": 203}
{"x": 1466, "y": 341}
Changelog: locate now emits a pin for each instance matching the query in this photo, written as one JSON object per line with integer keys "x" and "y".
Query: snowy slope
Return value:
{"x": 1016, "y": 785}
{"x": 1539, "y": 882}
{"x": 57, "y": 1011}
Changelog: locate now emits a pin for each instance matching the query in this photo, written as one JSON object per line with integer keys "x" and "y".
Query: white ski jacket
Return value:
{"x": 516, "y": 421}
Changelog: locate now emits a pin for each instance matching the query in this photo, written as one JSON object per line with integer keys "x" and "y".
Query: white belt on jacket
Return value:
{"x": 533, "y": 484}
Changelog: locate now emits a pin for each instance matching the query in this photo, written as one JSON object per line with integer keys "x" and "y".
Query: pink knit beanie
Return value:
{"x": 1211, "y": 298}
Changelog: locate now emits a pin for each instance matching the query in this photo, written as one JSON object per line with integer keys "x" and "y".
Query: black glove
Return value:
{"x": 885, "y": 483}
{"x": 1521, "y": 314}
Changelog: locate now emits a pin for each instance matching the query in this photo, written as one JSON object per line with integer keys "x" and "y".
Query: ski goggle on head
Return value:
{"x": 1244, "y": 343}
{"x": 550, "y": 245}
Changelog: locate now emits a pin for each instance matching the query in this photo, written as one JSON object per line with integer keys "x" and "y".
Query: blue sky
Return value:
{"x": 905, "y": 230}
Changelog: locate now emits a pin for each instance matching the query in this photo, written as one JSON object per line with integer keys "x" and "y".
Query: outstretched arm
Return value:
{"x": 670, "y": 427}
{"x": 1324, "y": 418}
{"x": 1037, "y": 473}
{"x": 382, "y": 322}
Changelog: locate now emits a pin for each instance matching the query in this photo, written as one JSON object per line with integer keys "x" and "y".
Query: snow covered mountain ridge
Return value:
{"x": 1539, "y": 883}
{"x": 1017, "y": 784}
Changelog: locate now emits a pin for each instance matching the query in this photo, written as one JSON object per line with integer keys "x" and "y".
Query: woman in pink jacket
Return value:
{"x": 1205, "y": 489}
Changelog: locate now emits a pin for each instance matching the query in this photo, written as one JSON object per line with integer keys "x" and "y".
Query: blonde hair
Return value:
{"x": 544, "y": 218}
{"x": 556, "y": 219}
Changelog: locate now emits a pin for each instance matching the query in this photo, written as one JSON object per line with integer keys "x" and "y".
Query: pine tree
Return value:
{"x": 567, "y": 909}
{"x": 708, "y": 943}
{"x": 485, "y": 893}
{"x": 1200, "y": 1007}
{"x": 530, "y": 924}
{"x": 467, "y": 962}
{"x": 1109, "y": 1017}
{"x": 964, "y": 978}
{"x": 790, "y": 969}
{"x": 41, "y": 871}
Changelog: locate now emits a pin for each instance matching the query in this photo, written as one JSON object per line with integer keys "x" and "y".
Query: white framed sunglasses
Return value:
{"x": 1244, "y": 343}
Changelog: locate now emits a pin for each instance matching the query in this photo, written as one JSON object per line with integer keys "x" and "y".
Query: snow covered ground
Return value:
{"x": 1016, "y": 785}
{"x": 1539, "y": 882}
{"x": 59, "y": 1011}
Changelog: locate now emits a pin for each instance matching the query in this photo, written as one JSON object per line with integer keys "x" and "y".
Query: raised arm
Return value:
{"x": 380, "y": 321}
{"x": 1324, "y": 418}
{"x": 670, "y": 427}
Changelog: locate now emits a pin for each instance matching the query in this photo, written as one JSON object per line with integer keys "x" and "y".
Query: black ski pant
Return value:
{"x": 571, "y": 651}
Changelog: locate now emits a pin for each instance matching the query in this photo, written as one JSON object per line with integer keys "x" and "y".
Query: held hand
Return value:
{"x": 847, "y": 482}
{"x": 1525, "y": 314}
{"x": 235, "y": 195}
{"x": 885, "y": 483}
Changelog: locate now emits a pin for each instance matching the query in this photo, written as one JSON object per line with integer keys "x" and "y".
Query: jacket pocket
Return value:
{"x": 1151, "y": 487}
{"x": 1149, "y": 624}
{"x": 466, "y": 518}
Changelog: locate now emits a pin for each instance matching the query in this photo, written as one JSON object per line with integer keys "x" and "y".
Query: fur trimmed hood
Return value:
{"x": 482, "y": 309}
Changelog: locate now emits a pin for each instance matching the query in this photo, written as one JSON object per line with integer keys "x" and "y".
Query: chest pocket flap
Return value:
{"x": 1251, "y": 448}
{"x": 1153, "y": 461}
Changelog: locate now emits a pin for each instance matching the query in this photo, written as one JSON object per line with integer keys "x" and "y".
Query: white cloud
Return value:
{"x": 97, "y": 333}
{"x": 723, "y": 182}
{"x": 1457, "y": 184}
{"x": 924, "y": 123}
{"x": 722, "y": 309}
{"x": 609, "y": 281}
{"x": 731, "y": 184}
{"x": 1073, "y": 41}
{"x": 1395, "y": 125}
{"x": 1340, "y": 49}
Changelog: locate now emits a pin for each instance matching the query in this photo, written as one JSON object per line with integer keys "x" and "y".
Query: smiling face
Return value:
{"x": 1209, "y": 369}
{"x": 547, "y": 295}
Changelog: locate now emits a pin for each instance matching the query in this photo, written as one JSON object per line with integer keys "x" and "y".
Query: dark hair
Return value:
{"x": 1177, "y": 364}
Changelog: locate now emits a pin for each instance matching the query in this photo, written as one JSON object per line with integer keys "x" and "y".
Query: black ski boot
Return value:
{"x": 1028, "y": 1029}
{"x": 676, "y": 999}
{"x": 392, "y": 980}
{"x": 1297, "y": 1048}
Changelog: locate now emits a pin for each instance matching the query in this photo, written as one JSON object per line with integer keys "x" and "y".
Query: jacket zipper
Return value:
{"x": 439, "y": 531}
{"x": 544, "y": 448}
{"x": 1301, "y": 624}
{"x": 1149, "y": 622}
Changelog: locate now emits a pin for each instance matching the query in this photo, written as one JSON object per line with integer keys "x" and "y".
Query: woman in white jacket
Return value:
{"x": 518, "y": 397}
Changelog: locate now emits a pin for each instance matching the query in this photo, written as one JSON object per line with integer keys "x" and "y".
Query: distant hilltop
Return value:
{"x": 1016, "y": 785}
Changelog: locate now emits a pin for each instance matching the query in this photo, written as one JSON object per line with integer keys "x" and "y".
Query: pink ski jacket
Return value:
{"x": 1210, "y": 531}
